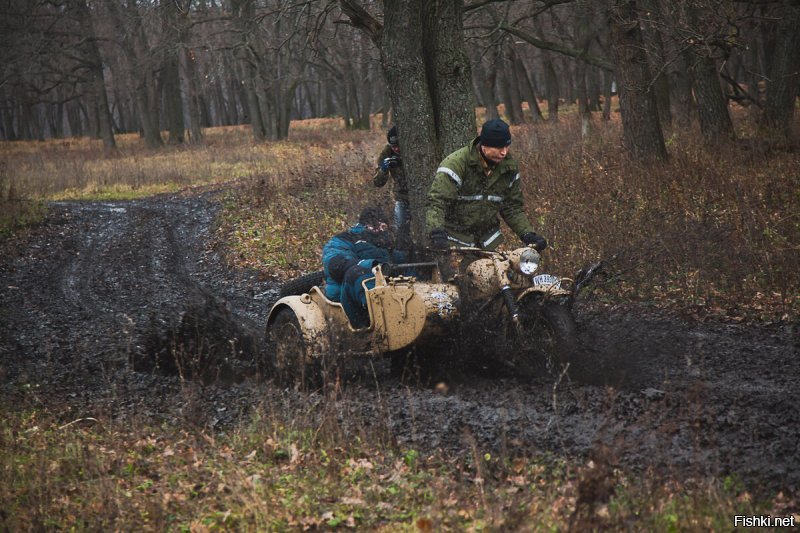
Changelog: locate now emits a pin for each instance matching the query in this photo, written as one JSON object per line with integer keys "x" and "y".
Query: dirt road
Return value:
{"x": 93, "y": 303}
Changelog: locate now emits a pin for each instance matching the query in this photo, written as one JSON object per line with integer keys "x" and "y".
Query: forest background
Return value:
{"x": 699, "y": 173}
{"x": 691, "y": 197}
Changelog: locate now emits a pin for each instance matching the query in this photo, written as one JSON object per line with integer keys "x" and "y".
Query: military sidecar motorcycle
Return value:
{"x": 468, "y": 289}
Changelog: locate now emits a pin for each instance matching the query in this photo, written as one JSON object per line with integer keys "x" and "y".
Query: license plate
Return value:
{"x": 547, "y": 279}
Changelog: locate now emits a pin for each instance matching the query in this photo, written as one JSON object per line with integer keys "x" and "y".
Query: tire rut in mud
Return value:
{"x": 105, "y": 288}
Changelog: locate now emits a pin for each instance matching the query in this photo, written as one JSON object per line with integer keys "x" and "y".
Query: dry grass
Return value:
{"x": 290, "y": 468}
{"x": 710, "y": 232}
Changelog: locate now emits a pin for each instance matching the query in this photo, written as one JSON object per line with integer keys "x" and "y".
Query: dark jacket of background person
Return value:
{"x": 396, "y": 173}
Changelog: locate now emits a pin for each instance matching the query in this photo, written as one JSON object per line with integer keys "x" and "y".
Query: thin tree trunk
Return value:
{"x": 195, "y": 104}
{"x": 553, "y": 88}
{"x": 528, "y": 90}
{"x": 608, "y": 84}
{"x": 712, "y": 105}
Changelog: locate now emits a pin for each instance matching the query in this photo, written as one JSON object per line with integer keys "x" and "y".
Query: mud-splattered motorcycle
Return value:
{"x": 426, "y": 303}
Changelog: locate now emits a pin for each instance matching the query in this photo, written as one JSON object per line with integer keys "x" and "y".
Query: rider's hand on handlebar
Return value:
{"x": 538, "y": 242}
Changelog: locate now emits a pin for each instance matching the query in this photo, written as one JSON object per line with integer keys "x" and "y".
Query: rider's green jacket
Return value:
{"x": 466, "y": 198}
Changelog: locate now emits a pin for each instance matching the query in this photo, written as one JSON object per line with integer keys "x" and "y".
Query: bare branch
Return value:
{"x": 560, "y": 48}
{"x": 361, "y": 19}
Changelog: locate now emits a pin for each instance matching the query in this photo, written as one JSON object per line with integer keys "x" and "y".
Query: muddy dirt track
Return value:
{"x": 95, "y": 301}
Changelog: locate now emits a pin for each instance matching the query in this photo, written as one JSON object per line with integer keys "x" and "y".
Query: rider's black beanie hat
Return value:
{"x": 495, "y": 133}
{"x": 392, "y": 136}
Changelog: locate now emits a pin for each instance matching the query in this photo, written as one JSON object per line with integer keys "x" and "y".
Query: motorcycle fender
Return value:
{"x": 545, "y": 292}
{"x": 311, "y": 318}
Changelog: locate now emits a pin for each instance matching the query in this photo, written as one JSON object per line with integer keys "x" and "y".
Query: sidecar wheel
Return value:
{"x": 288, "y": 352}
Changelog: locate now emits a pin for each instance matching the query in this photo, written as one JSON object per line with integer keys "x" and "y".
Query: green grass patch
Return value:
{"x": 115, "y": 193}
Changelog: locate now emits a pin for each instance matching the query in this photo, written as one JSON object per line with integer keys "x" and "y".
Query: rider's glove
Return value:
{"x": 438, "y": 238}
{"x": 538, "y": 242}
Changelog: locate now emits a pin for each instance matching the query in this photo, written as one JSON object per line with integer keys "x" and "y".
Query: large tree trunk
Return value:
{"x": 484, "y": 83}
{"x": 195, "y": 101}
{"x": 254, "y": 113}
{"x": 652, "y": 28}
{"x": 784, "y": 80}
{"x": 641, "y": 128}
{"x": 74, "y": 119}
{"x": 511, "y": 93}
{"x": 553, "y": 88}
{"x": 97, "y": 84}
{"x": 450, "y": 85}
{"x": 428, "y": 74}
{"x": 404, "y": 64}
{"x": 243, "y": 17}
{"x": 137, "y": 56}
{"x": 712, "y": 104}
{"x": 7, "y": 114}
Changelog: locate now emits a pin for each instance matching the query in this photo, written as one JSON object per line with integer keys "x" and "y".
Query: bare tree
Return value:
{"x": 641, "y": 127}
{"x": 702, "y": 32}
{"x": 137, "y": 58}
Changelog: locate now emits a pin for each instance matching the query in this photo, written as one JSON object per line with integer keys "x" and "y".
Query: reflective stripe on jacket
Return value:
{"x": 466, "y": 202}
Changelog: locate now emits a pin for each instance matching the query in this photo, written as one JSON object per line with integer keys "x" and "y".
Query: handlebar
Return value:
{"x": 467, "y": 250}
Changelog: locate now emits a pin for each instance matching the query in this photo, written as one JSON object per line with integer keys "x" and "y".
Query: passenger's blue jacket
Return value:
{"x": 347, "y": 249}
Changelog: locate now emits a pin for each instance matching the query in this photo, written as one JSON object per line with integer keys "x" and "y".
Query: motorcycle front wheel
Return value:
{"x": 545, "y": 335}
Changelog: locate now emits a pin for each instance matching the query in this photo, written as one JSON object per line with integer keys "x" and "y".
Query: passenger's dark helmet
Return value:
{"x": 373, "y": 215}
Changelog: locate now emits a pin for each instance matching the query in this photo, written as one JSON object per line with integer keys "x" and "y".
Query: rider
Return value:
{"x": 348, "y": 258}
{"x": 390, "y": 165}
{"x": 474, "y": 185}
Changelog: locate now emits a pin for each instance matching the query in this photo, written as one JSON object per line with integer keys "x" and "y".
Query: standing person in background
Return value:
{"x": 390, "y": 165}
{"x": 473, "y": 188}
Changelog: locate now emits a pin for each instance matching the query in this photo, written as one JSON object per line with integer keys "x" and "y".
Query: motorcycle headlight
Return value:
{"x": 529, "y": 261}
